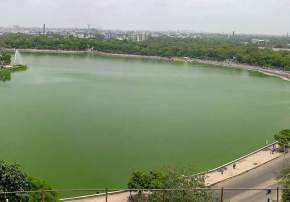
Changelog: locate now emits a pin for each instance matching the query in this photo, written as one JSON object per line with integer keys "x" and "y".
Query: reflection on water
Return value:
{"x": 5, "y": 75}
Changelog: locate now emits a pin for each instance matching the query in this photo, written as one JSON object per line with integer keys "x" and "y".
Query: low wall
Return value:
{"x": 115, "y": 196}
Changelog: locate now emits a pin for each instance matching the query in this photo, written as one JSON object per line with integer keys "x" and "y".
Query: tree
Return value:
{"x": 283, "y": 137}
{"x": 179, "y": 179}
{"x": 12, "y": 178}
{"x": 146, "y": 180}
{"x": 5, "y": 58}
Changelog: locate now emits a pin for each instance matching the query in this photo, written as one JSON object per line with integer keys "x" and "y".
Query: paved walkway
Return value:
{"x": 242, "y": 166}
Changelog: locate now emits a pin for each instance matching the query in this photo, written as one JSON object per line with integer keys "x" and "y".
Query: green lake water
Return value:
{"x": 83, "y": 121}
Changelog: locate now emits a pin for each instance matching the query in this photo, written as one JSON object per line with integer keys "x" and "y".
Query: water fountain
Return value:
{"x": 17, "y": 57}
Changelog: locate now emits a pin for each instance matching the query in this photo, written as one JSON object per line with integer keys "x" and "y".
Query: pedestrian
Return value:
{"x": 268, "y": 193}
{"x": 234, "y": 166}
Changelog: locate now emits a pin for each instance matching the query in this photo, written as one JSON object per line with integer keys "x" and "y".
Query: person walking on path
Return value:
{"x": 234, "y": 166}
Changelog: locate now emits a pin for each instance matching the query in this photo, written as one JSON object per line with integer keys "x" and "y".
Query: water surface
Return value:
{"x": 82, "y": 121}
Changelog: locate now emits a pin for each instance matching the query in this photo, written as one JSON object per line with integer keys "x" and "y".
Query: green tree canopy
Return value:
{"x": 170, "y": 179}
{"x": 12, "y": 178}
{"x": 146, "y": 180}
{"x": 5, "y": 58}
{"x": 201, "y": 48}
{"x": 283, "y": 137}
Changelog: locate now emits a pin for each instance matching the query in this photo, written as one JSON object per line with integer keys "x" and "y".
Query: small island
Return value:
{"x": 6, "y": 67}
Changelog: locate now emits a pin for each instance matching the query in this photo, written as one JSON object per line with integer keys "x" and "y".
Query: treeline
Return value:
{"x": 211, "y": 49}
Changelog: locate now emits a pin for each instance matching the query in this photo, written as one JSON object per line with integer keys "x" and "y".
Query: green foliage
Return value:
{"x": 37, "y": 184}
{"x": 283, "y": 137}
{"x": 170, "y": 179}
{"x": 285, "y": 181}
{"x": 146, "y": 180}
{"x": 5, "y": 58}
{"x": 207, "y": 48}
{"x": 12, "y": 178}
{"x": 5, "y": 75}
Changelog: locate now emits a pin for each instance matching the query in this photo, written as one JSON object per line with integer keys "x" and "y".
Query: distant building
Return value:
{"x": 289, "y": 45}
{"x": 137, "y": 36}
{"x": 259, "y": 42}
{"x": 79, "y": 35}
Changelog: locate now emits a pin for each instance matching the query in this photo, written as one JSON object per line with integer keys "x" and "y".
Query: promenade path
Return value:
{"x": 243, "y": 165}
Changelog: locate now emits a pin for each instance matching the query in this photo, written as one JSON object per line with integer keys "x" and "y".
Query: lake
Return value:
{"x": 84, "y": 121}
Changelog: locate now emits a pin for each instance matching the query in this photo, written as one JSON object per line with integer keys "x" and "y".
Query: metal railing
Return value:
{"x": 107, "y": 194}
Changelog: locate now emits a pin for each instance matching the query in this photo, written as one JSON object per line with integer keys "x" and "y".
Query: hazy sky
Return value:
{"x": 244, "y": 16}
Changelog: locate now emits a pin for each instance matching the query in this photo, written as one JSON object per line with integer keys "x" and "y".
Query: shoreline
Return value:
{"x": 284, "y": 75}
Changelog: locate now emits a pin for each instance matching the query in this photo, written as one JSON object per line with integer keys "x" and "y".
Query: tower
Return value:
{"x": 43, "y": 30}
{"x": 89, "y": 31}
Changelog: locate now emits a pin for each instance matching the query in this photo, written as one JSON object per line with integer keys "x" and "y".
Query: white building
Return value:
{"x": 259, "y": 42}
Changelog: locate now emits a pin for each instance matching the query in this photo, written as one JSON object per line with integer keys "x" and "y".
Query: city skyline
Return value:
{"x": 215, "y": 16}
